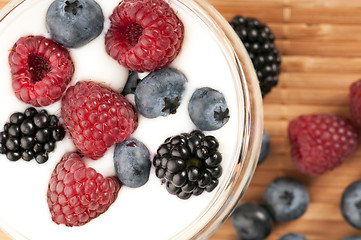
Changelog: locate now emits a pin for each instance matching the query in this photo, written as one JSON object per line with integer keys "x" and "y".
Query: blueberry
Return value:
{"x": 131, "y": 84}
{"x": 251, "y": 221}
{"x": 208, "y": 109}
{"x": 74, "y": 23}
{"x": 353, "y": 237}
{"x": 286, "y": 198}
{"x": 132, "y": 162}
{"x": 351, "y": 204}
{"x": 160, "y": 93}
{"x": 293, "y": 236}
{"x": 265, "y": 147}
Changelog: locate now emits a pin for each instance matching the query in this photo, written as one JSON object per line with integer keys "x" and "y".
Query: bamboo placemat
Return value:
{"x": 320, "y": 42}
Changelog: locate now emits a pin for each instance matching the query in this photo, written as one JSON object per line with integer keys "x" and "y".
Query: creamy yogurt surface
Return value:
{"x": 148, "y": 212}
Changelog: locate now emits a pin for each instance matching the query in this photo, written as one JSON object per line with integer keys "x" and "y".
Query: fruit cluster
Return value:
{"x": 160, "y": 94}
{"x": 189, "y": 164}
{"x": 31, "y": 134}
{"x": 319, "y": 143}
{"x": 258, "y": 40}
{"x": 143, "y": 36}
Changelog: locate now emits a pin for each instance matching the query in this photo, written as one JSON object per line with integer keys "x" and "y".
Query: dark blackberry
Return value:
{"x": 30, "y": 135}
{"x": 258, "y": 39}
{"x": 189, "y": 164}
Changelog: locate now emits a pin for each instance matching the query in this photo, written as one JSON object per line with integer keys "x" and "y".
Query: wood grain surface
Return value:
{"x": 320, "y": 43}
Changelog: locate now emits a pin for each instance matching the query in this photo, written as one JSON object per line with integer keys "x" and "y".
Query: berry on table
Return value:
{"x": 132, "y": 162}
{"x": 208, "y": 109}
{"x": 77, "y": 194}
{"x": 28, "y": 135}
{"x": 189, "y": 164}
{"x": 251, "y": 221}
{"x": 97, "y": 117}
{"x": 258, "y": 39}
{"x": 74, "y": 23}
{"x": 286, "y": 198}
{"x": 353, "y": 237}
{"x": 321, "y": 142}
{"x": 144, "y": 35}
{"x": 293, "y": 236}
{"x": 160, "y": 93}
{"x": 355, "y": 101}
{"x": 40, "y": 70}
{"x": 351, "y": 204}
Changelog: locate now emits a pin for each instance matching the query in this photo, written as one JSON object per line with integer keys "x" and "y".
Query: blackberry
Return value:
{"x": 30, "y": 135}
{"x": 189, "y": 164}
{"x": 258, "y": 39}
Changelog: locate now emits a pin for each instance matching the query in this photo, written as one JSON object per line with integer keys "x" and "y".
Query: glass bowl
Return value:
{"x": 248, "y": 135}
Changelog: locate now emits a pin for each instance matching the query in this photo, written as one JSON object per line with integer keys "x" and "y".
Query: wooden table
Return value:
{"x": 320, "y": 42}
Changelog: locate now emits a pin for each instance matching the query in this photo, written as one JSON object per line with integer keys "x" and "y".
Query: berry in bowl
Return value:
{"x": 150, "y": 118}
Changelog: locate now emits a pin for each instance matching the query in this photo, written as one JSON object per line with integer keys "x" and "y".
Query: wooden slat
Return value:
{"x": 321, "y": 48}
{"x": 319, "y": 32}
{"x": 320, "y": 64}
{"x": 287, "y": 3}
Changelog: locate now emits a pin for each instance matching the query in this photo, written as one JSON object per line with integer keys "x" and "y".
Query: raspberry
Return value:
{"x": 77, "y": 194}
{"x": 144, "y": 35}
{"x": 97, "y": 117}
{"x": 40, "y": 70}
{"x": 355, "y": 101}
{"x": 321, "y": 142}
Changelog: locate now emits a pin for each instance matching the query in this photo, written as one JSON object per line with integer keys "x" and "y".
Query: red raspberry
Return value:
{"x": 355, "y": 101}
{"x": 321, "y": 142}
{"x": 77, "y": 194}
{"x": 40, "y": 69}
{"x": 144, "y": 35}
{"x": 97, "y": 117}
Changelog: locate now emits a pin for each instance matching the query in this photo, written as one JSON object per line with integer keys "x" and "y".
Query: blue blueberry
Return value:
{"x": 251, "y": 221}
{"x": 160, "y": 93}
{"x": 286, "y": 198}
{"x": 293, "y": 236}
{"x": 265, "y": 147}
{"x": 131, "y": 84}
{"x": 354, "y": 237}
{"x": 74, "y": 23}
{"x": 132, "y": 162}
{"x": 208, "y": 109}
{"x": 351, "y": 204}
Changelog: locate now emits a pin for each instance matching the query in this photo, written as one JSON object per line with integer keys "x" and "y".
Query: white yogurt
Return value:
{"x": 148, "y": 212}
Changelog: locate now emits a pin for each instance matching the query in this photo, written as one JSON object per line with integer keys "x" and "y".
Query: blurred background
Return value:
{"x": 320, "y": 46}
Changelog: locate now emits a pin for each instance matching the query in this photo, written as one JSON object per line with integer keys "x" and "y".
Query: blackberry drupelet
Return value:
{"x": 189, "y": 164}
{"x": 30, "y": 135}
{"x": 258, "y": 39}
